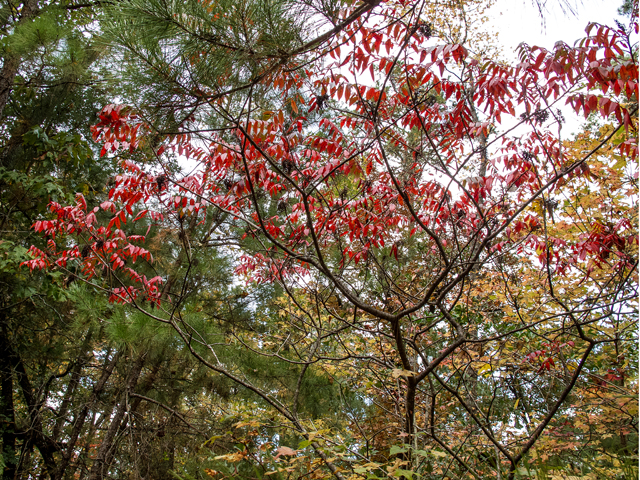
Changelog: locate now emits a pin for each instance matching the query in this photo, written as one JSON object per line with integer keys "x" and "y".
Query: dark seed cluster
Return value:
{"x": 540, "y": 116}
{"x": 425, "y": 29}
{"x": 320, "y": 100}
{"x": 86, "y": 250}
{"x": 161, "y": 181}
{"x": 288, "y": 166}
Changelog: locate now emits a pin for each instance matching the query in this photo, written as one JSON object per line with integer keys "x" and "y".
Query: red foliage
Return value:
{"x": 299, "y": 167}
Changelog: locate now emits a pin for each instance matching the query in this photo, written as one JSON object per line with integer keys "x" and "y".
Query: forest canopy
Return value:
{"x": 295, "y": 239}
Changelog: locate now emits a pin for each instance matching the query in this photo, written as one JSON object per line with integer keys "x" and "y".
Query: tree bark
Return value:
{"x": 9, "y": 435}
{"x": 35, "y": 433}
{"x": 81, "y": 418}
{"x": 107, "y": 446}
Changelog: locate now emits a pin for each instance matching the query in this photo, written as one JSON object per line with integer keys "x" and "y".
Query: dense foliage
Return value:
{"x": 315, "y": 239}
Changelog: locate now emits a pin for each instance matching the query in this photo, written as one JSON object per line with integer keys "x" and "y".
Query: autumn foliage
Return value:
{"x": 442, "y": 246}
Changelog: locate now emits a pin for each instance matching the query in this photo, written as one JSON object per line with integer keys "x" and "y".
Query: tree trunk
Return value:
{"x": 7, "y": 411}
{"x": 107, "y": 446}
{"x": 81, "y": 418}
{"x": 35, "y": 433}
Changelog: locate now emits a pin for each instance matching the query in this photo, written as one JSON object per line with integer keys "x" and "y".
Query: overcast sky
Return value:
{"x": 519, "y": 21}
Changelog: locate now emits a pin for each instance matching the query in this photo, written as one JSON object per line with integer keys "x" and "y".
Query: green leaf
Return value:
{"x": 396, "y": 450}
{"x": 404, "y": 473}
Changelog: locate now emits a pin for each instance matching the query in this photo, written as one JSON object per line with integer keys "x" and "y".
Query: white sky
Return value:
{"x": 519, "y": 21}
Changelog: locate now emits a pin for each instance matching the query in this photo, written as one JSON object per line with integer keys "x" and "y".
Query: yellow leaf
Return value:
{"x": 231, "y": 457}
{"x": 398, "y": 372}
